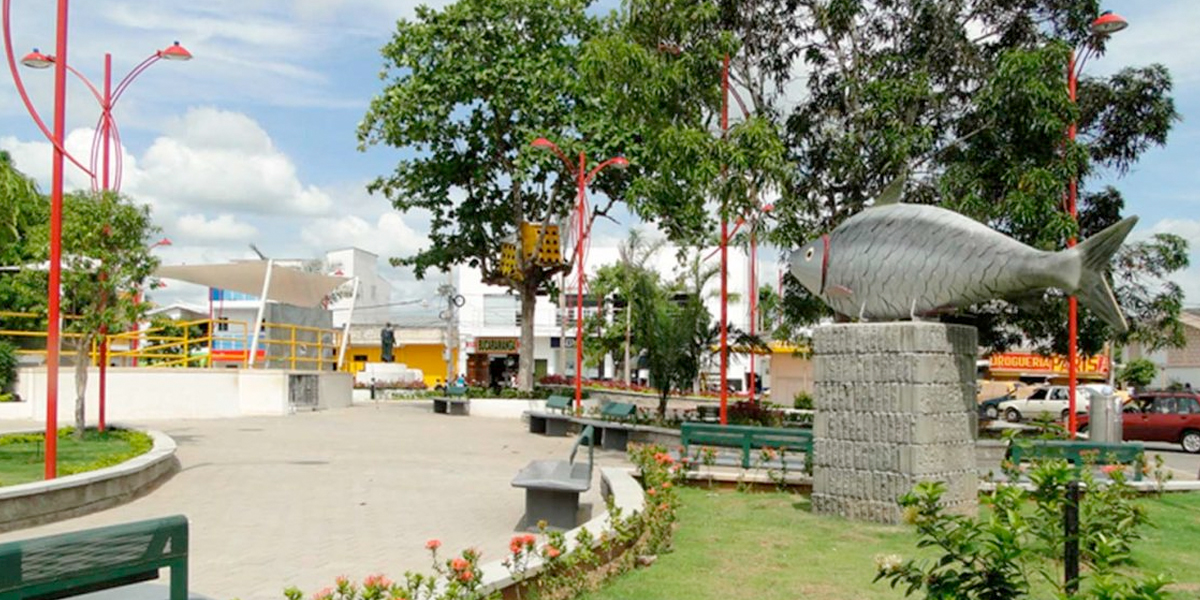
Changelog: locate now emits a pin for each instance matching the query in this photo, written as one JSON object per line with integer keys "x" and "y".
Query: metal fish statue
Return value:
{"x": 895, "y": 261}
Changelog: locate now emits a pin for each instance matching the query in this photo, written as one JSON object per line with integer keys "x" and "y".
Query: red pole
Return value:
{"x": 753, "y": 300}
{"x": 56, "y": 208}
{"x": 106, "y": 137}
{"x": 580, "y": 175}
{"x": 724, "y": 257}
{"x": 1072, "y": 302}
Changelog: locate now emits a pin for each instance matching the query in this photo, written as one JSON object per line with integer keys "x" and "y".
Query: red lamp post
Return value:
{"x": 38, "y": 60}
{"x": 1106, "y": 24}
{"x": 582, "y": 178}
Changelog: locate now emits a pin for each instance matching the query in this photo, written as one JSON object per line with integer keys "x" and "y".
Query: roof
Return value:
{"x": 287, "y": 285}
{"x": 1190, "y": 319}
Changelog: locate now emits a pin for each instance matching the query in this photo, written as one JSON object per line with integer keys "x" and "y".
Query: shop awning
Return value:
{"x": 288, "y": 285}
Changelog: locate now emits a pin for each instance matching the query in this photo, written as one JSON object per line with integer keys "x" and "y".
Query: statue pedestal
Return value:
{"x": 895, "y": 405}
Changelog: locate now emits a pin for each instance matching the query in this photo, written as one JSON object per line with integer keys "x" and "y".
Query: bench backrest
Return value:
{"x": 456, "y": 390}
{"x": 1077, "y": 451}
{"x": 746, "y": 437}
{"x": 561, "y": 403}
{"x": 94, "y": 559}
{"x": 618, "y": 410}
{"x": 587, "y": 436}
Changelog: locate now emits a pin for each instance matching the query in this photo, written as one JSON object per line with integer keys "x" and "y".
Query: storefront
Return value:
{"x": 492, "y": 361}
{"x": 1035, "y": 368}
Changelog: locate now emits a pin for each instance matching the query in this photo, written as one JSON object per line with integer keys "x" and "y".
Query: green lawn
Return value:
{"x": 769, "y": 546}
{"x": 22, "y": 458}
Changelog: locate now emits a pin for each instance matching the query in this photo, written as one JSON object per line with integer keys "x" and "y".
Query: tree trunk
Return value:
{"x": 662, "y": 405}
{"x": 81, "y": 373}
{"x": 525, "y": 351}
{"x": 628, "y": 332}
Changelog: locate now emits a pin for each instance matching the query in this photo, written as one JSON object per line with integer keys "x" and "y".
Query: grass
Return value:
{"x": 769, "y": 546}
{"x": 22, "y": 454}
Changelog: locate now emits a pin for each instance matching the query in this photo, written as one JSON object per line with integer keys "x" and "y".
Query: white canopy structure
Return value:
{"x": 264, "y": 279}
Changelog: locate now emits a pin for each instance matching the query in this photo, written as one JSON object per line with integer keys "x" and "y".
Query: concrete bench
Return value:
{"x": 552, "y": 487}
{"x": 1079, "y": 452}
{"x": 547, "y": 423}
{"x": 745, "y": 437}
{"x": 80, "y": 562}
{"x": 455, "y": 402}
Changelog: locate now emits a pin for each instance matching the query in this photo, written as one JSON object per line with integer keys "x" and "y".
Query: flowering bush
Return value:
{"x": 457, "y": 578}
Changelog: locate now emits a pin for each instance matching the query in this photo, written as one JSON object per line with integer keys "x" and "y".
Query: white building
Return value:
{"x": 374, "y": 292}
{"x": 489, "y": 329}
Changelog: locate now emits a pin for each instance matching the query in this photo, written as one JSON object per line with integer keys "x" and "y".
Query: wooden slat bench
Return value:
{"x": 455, "y": 402}
{"x": 1079, "y": 452}
{"x": 552, "y": 487}
{"x": 71, "y": 564}
{"x": 745, "y": 437}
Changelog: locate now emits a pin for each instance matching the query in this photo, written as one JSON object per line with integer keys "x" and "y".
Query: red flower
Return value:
{"x": 663, "y": 506}
{"x": 552, "y": 552}
{"x": 433, "y": 544}
{"x": 459, "y": 564}
{"x": 325, "y": 594}
{"x": 666, "y": 485}
{"x": 377, "y": 581}
{"x": 1110, "y": 469}
{"x": 466, "y": 576}
{"x": 652, "y": 491}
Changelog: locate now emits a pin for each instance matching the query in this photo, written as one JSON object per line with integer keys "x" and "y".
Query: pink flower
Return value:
{"x": 342, "y": 581}
{"x": 459, "y": 564}
{"x": 1110, "y": 469}
{"x": 466, "y": 576}
{"x": 325, "y": 594}
{"x": 433, "y": 544}
{"x": 377, "y": 581}
{"x": 652, "y": 491}
{"x": 663, "y": 506}
{"x": 552, "y": 552}
{"x": 666, "y": 485}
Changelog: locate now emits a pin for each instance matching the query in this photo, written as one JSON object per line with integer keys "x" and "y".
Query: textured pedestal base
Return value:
{"x": 895, "y": 406}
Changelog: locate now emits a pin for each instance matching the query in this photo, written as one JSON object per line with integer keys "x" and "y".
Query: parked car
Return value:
{"x": 1000, "y": 391}
{"x": 1172, "y": 417}
{"x": 1052, "y": 401}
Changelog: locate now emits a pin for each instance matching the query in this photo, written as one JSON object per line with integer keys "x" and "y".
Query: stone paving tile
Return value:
{"x": 299, "y": 500}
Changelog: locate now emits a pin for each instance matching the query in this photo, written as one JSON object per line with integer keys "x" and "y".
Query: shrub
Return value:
{"x": 754, "y": 413}
{"x": 802, "y": 401}
{"x": 8, "y": 366}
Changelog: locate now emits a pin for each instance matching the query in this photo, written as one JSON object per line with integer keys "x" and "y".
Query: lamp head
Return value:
{"x": 766, "y": 208}
{"x": 37, "y": 60}
{"x": 543, "y": 143}
{"x": 175, "y": 52}
{"x": 163, "y": 242}
{"x": 619, "y": 162}
{"x": 1108, "y": 23}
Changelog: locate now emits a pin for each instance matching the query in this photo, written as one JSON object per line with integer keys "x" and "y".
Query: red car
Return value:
{"x": 1172, "y": 417}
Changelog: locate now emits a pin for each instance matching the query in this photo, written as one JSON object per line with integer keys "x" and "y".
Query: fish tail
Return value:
{"x": 1094, "y": 255}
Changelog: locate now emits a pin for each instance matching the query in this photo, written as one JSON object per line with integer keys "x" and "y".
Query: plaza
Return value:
{"x": 279, "y": 501}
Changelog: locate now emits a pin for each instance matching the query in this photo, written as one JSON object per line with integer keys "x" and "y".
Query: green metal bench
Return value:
{"x": 455, "y": 402}
{"x": 618, "y": 411}
{"x": 560, "y": 403}
{"x": 745, "y": 437}
{"x": 1078, "y": 453}
{"x": 80, "y": 562}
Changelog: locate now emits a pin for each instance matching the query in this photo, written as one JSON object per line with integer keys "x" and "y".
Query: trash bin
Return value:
{"x": 1104, "y": 419}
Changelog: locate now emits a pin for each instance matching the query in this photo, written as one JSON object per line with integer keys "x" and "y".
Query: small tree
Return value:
{"x": 105, "y": 257}
{"x": 670, "y": 334}
{"x": 8, "y": 367}
{"x": 1137, "y": 373}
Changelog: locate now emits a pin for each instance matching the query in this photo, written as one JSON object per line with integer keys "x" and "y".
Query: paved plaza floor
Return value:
{"x": 299, "y": 500}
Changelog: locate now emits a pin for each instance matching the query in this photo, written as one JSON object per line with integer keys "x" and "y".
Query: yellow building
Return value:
{"x": 417, "y": 347}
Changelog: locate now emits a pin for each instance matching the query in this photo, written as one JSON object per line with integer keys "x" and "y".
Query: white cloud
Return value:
{"x": 1162, "y": 32}
{"x": 1189, "y": 230}
{"x": 389, "y": 236}
{"x": 222, "y": 228}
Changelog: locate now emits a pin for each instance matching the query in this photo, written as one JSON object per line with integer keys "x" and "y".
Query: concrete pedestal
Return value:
{"x": 895, "y": 405}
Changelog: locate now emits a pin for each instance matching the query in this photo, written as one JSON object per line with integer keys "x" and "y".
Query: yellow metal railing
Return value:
{"x": 203, "y": 343}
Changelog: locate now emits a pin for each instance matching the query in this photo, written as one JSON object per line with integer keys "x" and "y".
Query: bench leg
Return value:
{"x": 615, "y": 438}
{"x": 460, "y": 408}
{"x": 179, "y": 580}
{"x": 558, "y": 509}
{"x": 537, "y": 424}
{"x": 439, "y": 406}
{"x": 557, "y": 427}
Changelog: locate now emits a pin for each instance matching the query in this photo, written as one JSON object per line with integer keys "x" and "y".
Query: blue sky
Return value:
{"x": 254, "y": 140}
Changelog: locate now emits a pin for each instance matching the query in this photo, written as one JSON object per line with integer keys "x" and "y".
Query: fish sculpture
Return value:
{"x": 895, "y": 261}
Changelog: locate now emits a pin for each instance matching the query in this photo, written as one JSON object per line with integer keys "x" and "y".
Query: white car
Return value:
{"x": 1049, "y": 402}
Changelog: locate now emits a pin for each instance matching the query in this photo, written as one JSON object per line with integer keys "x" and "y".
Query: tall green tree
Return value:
{"x": 622, "y": 281}
{"x": 105, "y": 258}
{"x": 466, "y": 89}
{"x": 968, "y": 100}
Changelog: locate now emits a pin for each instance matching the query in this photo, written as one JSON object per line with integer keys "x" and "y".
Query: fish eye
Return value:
{"x": 809, "y": 254}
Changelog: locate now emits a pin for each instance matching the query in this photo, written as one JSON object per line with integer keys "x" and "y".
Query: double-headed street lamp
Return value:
{"x": 59, "y": 62}
{"x": 582, "y": 178}
{"x": 1103, "y": 26}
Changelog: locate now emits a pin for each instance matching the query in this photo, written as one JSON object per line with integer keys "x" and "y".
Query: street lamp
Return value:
{"x": 582, "y": 178}
{"x": 56, "y": 137}
{"x": 1106, "y": 24}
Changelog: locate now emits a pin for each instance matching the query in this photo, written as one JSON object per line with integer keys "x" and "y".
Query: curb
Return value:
{"x": 38, "y": 502}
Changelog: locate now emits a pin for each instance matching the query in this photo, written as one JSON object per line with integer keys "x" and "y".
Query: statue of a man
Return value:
{"x": 387, "y": 341}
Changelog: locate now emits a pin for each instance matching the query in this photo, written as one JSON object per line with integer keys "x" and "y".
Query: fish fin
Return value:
{"x": 839, "y": 291}
{"x": 1095, "y": 253}
{"x": 891, "y": 193}
{"x": 1028, "y": 300}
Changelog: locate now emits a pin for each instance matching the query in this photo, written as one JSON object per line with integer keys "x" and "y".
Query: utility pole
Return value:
{"x": 454, "y": 301}
{"x": 562, "y": 324}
